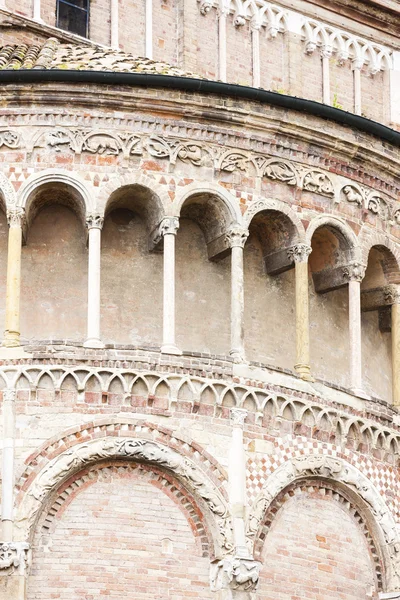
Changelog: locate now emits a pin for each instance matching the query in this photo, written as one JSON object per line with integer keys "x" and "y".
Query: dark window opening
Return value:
{"x": 73, "y": 16}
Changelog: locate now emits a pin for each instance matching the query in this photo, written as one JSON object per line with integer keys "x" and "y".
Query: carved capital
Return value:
{"x": 237, "y": 236}
{"x": 13, "y": 555}
{"x": 235, "y": 573}
{"x": 392, "y": 294}
{"x": 354, "y": 272}
{"x": 9, "y": 395}
{"x": 326, "y": 51}
{"x": 94, "y": 221}
{"x": 299, "y": 253}
{"x": 238, "y": 416}
{"x": 169, "y": 225}
{"x": 16, "y": 217}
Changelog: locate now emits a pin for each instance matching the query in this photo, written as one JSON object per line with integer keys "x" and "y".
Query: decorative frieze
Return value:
{"x": 10, "y": 139}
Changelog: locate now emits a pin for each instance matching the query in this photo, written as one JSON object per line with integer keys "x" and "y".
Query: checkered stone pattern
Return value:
{"x": 383, "y": 477}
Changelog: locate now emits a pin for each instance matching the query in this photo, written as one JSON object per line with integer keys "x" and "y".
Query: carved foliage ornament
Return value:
{"x": 299, "y": 253}
{"x": 75, "y": 458}
{"x": 10, "y": 139}
{"x": 16, "y": 217}
{"x": 236, "y": 237}
{"x": 354, "y": 272}
{"x": 94, "y": 221}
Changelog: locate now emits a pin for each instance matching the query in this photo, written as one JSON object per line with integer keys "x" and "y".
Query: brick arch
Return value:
{"x": 81, "y": 198}
{"x": 52, "y": 475}
{"x": 375, "y": 239}
{"x": 162, "y": 480}
{"x": 227, "y": 202}
{"x": 160, "y": 195}
{"x": 348, "y": 482}
{"x": 342, "y": 228}
{"x": 260, "y": 204}
{"x": 108, "y": 427}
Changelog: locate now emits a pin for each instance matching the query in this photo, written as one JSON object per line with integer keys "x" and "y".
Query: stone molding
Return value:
{"x": 198, "y": 153}
{"x": 63, "y": 466}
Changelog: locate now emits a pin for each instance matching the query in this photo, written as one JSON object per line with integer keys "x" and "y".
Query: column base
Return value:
{"x": 171, "y": 349}
{"x": 238, "y": 356}
{"x": 303, "y": 371}
{"x": 360, "y": 393}
{"x": 93, "y": 343}
{"x": 11, "y": 339}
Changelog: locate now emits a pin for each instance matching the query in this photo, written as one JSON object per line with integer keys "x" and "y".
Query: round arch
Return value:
{"x": 83, "y": 199}
{"x": 197, "y": 188}
{"x": 344, "y": 230}
{"x": 260, "y": 204}
{"x": 70, "y": 462}
{"x": 351, "y": 480}
{"x": 159, "y": 193}
{"x": 369, "y": 240}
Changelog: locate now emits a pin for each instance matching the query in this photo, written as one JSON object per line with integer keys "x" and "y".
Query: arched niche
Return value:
{"x": 132, "y": 275}
{"x": 334, "y": 247}
{"x": 54, "y": 261}
{"x": 346, "y": 484}
{"x": 270, "y": 286}
{"x": 203, "y": 274}
{"x": 57, "y": 472}
{"x": 382, "y": 275}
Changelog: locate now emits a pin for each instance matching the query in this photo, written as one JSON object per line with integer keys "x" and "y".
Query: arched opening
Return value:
{"x": 120, "y": 527}
{"x": 317, "y": 546}
{"x": 329, "y": 304}
{"x": 270, "y": 290}
{"x": 203, "y": 275}
{"x": 382, "y": 272}
{"x": 54, "y": 265}
{"x": 131, "y": 275}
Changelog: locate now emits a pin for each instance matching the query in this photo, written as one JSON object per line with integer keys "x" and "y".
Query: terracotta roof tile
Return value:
{"x": 55, "y": 55}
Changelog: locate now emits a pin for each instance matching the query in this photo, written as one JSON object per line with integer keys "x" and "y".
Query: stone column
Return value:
{"x": 354, "y": 274}
{"x": 395, "y": 293}
{"x": 168, "y": 230}
{"x": 16, "y": 219}
{"x": 299, "y": 254}
{"x": 255, "y": 42}
{"x": 7, "y": 466}
{"x": 326, "y": 54}
{"x": 114, "y": 24}
{"x": 236, "y": 238}
{"x": 149, "y": 29}
{"x": 222, "y": 15}
{"x": 236, "y": 576}
{"x": 37, "y": 11}
{"x": 357, "y": 65}
{"x": 94, "y": 224}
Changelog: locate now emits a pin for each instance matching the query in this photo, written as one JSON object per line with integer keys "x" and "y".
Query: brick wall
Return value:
{"x": 123, "y": 533}
{"x": 315, "y": 550}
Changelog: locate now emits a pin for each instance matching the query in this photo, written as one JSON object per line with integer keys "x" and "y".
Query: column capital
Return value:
{"x": 13, "y": 556}
{"x": 326, "y": 51}
{"x": 299, "y": 253}
{"x": 236, "y": 236}
{"x": 357, "y": 63}
{"x": 9, "y": 395}
{"x": 238, "y": 416}
{"x": 392, "y": 294}
{"x": 235, "y": 573}
{"x": 94, "y": 221}
{"x": 354, "y": 272}
{"x": 16, "y": 217}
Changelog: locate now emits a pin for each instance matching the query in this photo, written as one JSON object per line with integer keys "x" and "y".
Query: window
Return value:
{"x": 73, "y": 16}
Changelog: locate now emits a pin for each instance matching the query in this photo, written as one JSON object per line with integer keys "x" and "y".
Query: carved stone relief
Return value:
{"x": 235, "y": 573}
{"x": 13, "y": 556}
